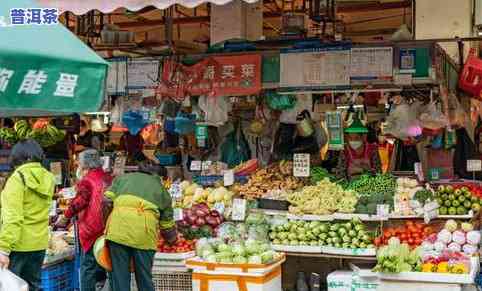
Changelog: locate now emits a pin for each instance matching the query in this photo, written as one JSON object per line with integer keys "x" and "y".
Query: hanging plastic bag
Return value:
{"x": 432, "y": 117}
{"x": 402, "y": 122}
{"x": 215, "y": 109}
{"x": 456, "y": 113}
{"x": 9, "y": 281}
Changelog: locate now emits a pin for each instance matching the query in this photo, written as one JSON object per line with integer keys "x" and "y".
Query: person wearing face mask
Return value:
{"x": 359, "y": 156}
{"x": 88, "y": 207}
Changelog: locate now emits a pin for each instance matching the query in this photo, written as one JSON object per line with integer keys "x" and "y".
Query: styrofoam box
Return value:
{"x": 349, "y": 281}
{"x": 174, "y": 256}
{"x": 417, "y": 286}
{"x": 232, "y": 269}
{"x": 437, "y": 277}
{"x": 216, "y": 285}
{"x": 297, "y": 249}
{"x": 349, "y": 252}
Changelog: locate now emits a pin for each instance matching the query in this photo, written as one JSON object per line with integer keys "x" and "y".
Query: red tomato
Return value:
{"x": 411, "y": 241}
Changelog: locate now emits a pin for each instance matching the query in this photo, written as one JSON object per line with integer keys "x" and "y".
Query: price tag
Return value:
{"x": 68, "y": 193}
{"x": 301, "y": 165}
{"x": 430, "y": 211}
{"x": 175, "y": 191}
{"x": 178, "y": 214}
{"x": 419, "y": 171}
{"x": 228, "y": 178}
{"x": 105, "y": 163}
{"x": 239, "y": 209}
{"x": 474, "y": 165}
{"x": 195, "y": 166}
{"x": 219, "y": 207}
{"x": 383, "y": 210}
{"x": 206, "y": 165}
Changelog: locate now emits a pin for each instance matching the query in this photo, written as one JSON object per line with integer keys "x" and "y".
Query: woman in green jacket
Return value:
{"x": 142, "y": 209}
{"x": 25, "y": 202}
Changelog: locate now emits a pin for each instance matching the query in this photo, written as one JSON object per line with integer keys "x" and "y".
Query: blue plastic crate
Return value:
{"x": 58, "y": 277}
{"x": 211, "y": 180}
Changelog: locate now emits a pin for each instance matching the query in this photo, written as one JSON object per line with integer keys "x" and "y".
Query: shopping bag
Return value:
{"x": 9, "y": 281}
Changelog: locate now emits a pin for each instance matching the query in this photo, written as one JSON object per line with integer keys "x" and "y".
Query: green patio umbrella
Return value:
{"x": 45, "y": 69}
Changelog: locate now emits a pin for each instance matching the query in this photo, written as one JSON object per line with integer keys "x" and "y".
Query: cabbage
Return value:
{"x": 454, "y": 247}
{"x": 223, "y": 255}
{"x": 225, "y": 248}
{"x": 240, "y": 260}
{"x": 467, "y": 226}
{"x": 469, "y": 249}
{"x": 252, "y": 247}
{"x": 255, "y": 260}
{"x": 444, "y": 236}
{"x": 451, "y": 225}
{"x": 427, "y": 246}
{"x": 473, "y": 237}
{"x": 227, "y": 260}
{"x": 239, "y": 250}
{"x": 206, "y": 253}
{"x": 458, "y": 237}
{"x": 264, "y": 247}
{"x": 267, "y": 257}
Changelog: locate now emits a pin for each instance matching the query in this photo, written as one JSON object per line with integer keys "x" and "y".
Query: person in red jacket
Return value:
{"x": 87, "y": 206}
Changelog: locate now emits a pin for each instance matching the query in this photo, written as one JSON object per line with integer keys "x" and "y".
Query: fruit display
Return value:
{"x": 57, "y": 244}
{"x": 397, "y": 257}
{"x": 242, "y": 252}
{"x": 46, "y": 135}
{"x": 323, "y": 198}
{"x": 455, "y": 238}
{"x": 411, "y": 233}
{"x": 454, "y": 201}
{"x": 278, "y": 176}
{"x": 404, "y": 199}
{"x": 246, "y": 168}
{"x": 181, "y": 246}
{"x": 195, "y": 194}
{"x": 347, "y": 235}
{"x": 447, "y": 262}
{"x": 372, "y": 190}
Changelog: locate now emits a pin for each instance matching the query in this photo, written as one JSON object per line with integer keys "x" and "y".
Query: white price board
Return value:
{"x": 301, "y": 165}
{"x": 175, "y": 191}
{"x": 371, "y": 63}
{"x": 474, "y": 165}
{"x": 228, "y": 178}
{"x": 403, "y": 79}
{"x": 195, "y": 166}
{"x": 219, "y": 207}
{"x": 315, "y": 68}
{"x": 177, "y": 213}
{"x": 142, "y": 74}
{"x": 206, "y": 165}
{"x": 239, "y": 209}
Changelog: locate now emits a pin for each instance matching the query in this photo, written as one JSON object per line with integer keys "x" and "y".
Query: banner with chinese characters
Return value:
{"x": 233, "y": 75}
{"x": 44, "y": 67}
{"x": 315, "y": 68}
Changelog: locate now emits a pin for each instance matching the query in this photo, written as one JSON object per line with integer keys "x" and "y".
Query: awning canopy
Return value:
{"x": 46, "y": 68}
{"x": 83, "y": 6}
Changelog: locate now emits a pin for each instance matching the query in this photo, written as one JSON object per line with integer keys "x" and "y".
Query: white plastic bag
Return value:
{"x": 402, "y": 122}
{"x": 9, "y": 282}
{"x": 432, "y": 117}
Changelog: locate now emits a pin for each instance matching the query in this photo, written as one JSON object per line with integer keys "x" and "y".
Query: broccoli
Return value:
{"x": 360, "y": 208}
{"x": 388, "y": 196}
{"x": 376, "y": 198}
{"x": 363, "y": 200}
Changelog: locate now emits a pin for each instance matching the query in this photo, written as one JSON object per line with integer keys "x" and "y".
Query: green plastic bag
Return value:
{"x": 277, "y": 101}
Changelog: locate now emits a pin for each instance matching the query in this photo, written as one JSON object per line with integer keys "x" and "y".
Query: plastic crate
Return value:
{"x": 211, "y": 180}
{"x": 273, "y": 204}
{"x": 57, "y": 277}
{"x": 168, "y": 280}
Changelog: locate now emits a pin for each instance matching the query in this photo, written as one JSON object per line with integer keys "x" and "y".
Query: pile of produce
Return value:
{"x": 348, "y": 235}
{"x": 241, "y": 252}
{"x": 323, "y": 198}
{"x": 372, "y": 190}
{"x": 455, "y": 238}
{"x": 200, "y": 217}
{"x": 411, "y": 233}
{"x": 194, "y": 194}
{"x": 397, "y": 257}
{"x": 246, "y": 168}
{"x": 456, "y": 201}
{"x": 181, "y": 246}
{"x": 57, "y": 244}
{"x": 46, "y": 135}
{"x": 277, "y": 176}
{"x": 404, "y": 200}
{"x": 447, "y": 262}
{"x": 318, "y": 174}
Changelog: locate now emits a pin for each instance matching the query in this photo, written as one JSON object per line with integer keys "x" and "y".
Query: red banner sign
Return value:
{"x": 214, "y": 76}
